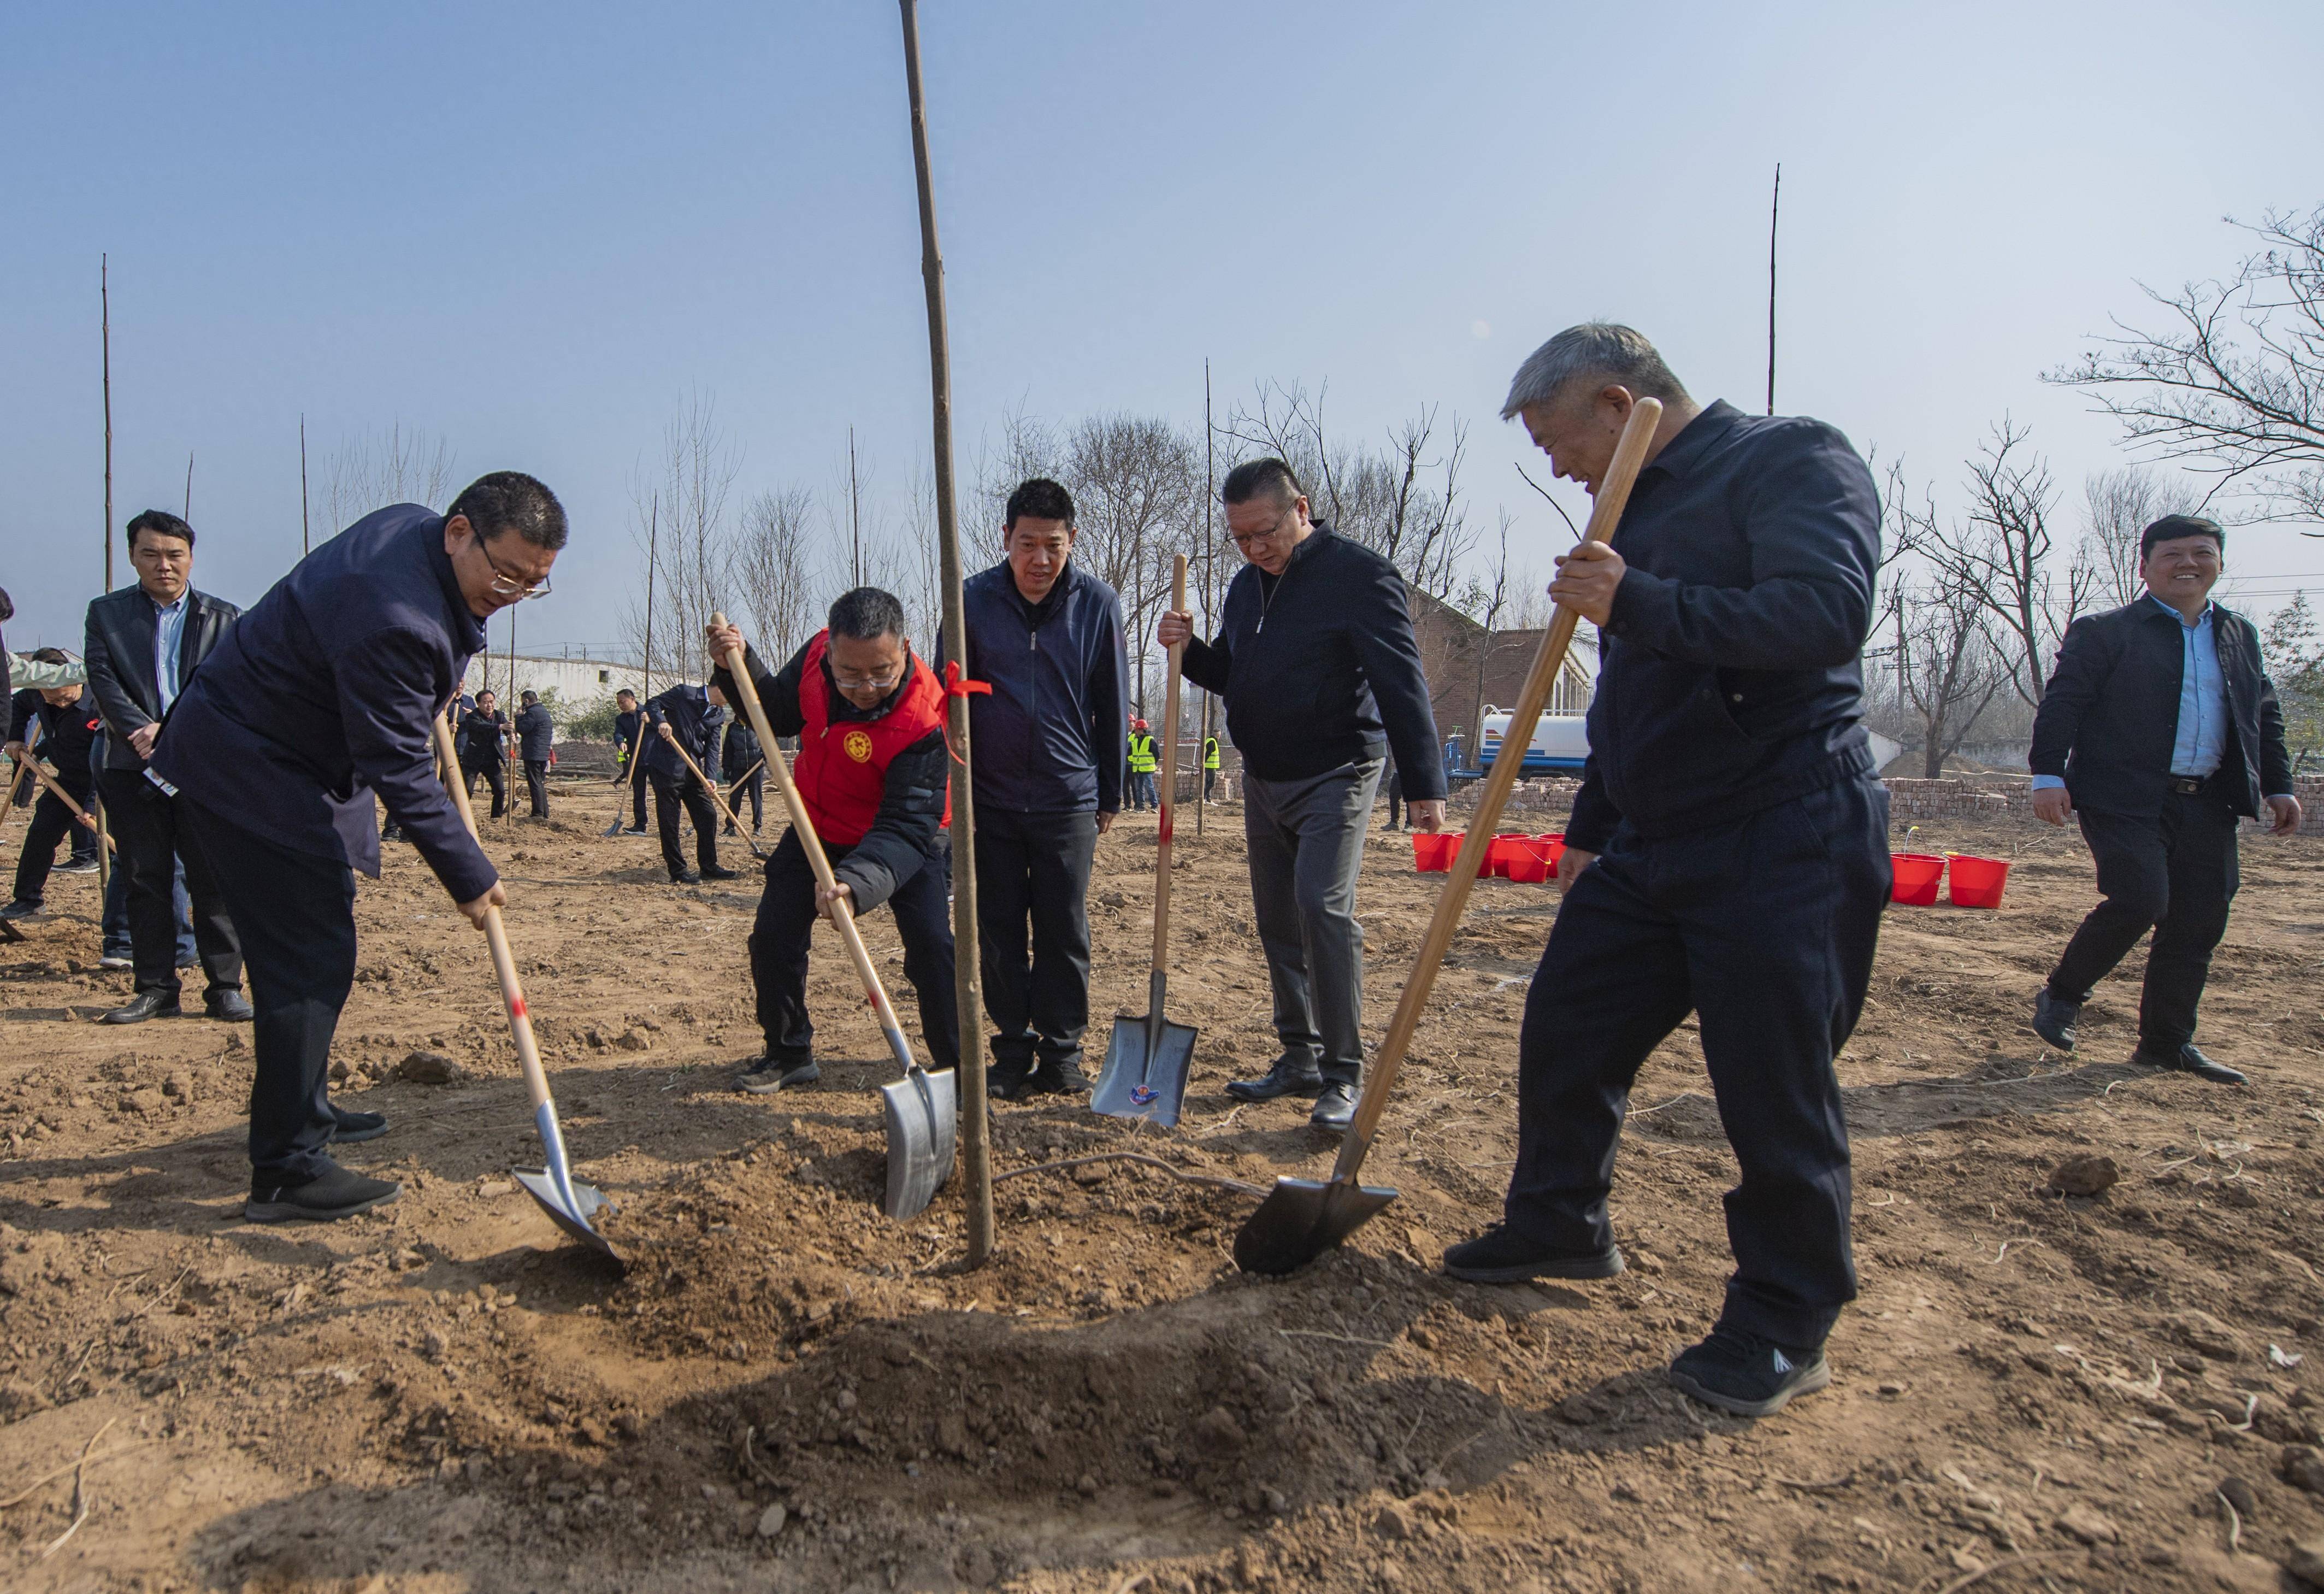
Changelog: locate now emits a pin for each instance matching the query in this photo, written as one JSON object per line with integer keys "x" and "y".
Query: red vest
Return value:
{"x": 842, "y": 769}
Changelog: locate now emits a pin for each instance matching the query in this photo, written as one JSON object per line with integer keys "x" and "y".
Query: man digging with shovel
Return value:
{"x": 1728, "y": 853}
{"x": 870, "y": 771}
{"x": 324, "y": 693}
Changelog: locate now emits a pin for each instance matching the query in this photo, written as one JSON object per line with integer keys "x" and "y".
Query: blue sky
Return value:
{"x": 532, "y": 229}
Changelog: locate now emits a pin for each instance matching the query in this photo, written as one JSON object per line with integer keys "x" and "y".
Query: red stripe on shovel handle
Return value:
{"x": 517, "y": 1008}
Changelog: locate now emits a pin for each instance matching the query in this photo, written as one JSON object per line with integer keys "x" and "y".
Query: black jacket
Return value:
{"x": 536, "y": 733}
{"x": 911, "y": 805}
{"x": 1730, "y": 674}
{"x": 1043, "y": 741}
{"x": 2110, "y": 717}
{"x": 686, "y": 709}
{"x": 327, "y": 691}
{"x": 67, "y": 733}
{"x": 741, "y": 749}
{"x": 481, "y": 735}
{"x": 119, "y": 645}
{"x": 1319, "y": 667}
{"x": 625, "y": 736}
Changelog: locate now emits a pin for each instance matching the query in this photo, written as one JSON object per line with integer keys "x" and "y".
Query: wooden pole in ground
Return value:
{"x": 1775, "y": 208}
{"x": 1210, "y": 575}
{"x": 305, "y": 545}
{"x": 974, "y": 1143}
{"x": 104, "y": 334}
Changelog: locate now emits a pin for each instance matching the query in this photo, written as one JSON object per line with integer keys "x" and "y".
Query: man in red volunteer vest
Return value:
{"x": 869, "y": 716}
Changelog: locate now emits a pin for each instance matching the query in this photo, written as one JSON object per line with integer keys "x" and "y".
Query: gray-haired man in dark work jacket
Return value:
{"x": 1728, "y": 853}
{"x": 1317, "y": 660}
{"x": 324, "y": 693}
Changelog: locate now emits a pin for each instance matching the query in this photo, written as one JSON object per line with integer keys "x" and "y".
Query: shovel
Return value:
{"x": 571, "y": 1206}
{"x": 1146, "y": 1061}
{"x": 711, "y": 786}
{"x": 922, "y": 1109}
{"x": 627, "y": 775}
{"x": 1301, "y": 1219}
{"x": 41, "y": 772}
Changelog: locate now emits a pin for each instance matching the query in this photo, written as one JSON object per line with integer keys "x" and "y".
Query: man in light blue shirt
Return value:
{"x": 2158, "y": 729}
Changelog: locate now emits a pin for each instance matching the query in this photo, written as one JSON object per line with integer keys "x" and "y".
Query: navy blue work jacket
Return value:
{"x": 1049, "y": 738}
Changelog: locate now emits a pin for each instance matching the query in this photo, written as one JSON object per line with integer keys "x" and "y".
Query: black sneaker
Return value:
{"x": 767, "y": 1075}
{"x": 1006, "y": 1082}
{"x": 338, "y": 1192}
{"x": 353, "y": 1127}
{"x": 1750, "y": 1376}
{"x": 1286, "y": 1078}
{"x": 21, "y": 909}
{"x": 634, "y": 831}
{"x": 79, "y": 866}
{"x": 117, "y": 961}
{"x": 1500, "y": 1256}
{"x": 2054, "y": 1018}
{"x": 1051, "y": 1077}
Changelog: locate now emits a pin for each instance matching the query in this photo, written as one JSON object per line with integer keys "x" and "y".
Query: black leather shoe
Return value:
{"x": 2054, "y": 1018}
{"x": 719, "y": 872}
{"x": 1054, "y": 1079}
{"x": 2188, "y": 1061}
{"x": 146, "y": 1005}
{"x": 1500, "y": 1255}
{"x": 228, "y": 1007}
{"x": 1284, "y": 1078}
{"x": 1006, "y": 1082}
{"x": 354, "y": 1127}
{"x": 687, "y": 877}
{"x": 1335, "y": 1108}
{"x": 339, "y": 1192}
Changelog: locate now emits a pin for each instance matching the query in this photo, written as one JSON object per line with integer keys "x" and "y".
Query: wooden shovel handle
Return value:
{"x": 528, "y": 1051}
{"x": 41, "y": 772}
{"x": 748, "y": 690}
{"x": 1169, "y": 792}
{"x": 1605, "y": 515}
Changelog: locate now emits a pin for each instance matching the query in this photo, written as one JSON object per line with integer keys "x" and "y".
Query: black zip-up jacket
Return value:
{"x": 67, "y": 734}
{"x": 2110, "y": 717}
{"x": 1319, "y": 668}
{"x": 903, "y": 837}
{"x": 625, "y": 734}
{"x": 1044, "y": 740}
{"x": 479, "y": 740}
{"x": 536, "y": 733}
{"x": 686, "y": 709}
{"x": 741, "y": 749}
{"x": 1731, "y": 674}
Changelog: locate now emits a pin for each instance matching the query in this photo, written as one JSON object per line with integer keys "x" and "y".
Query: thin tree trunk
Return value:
{"x": 1775, "y": 207}
{"x": 105, "y": 332}
{"x": 1210, "y": 572}
{"x": 306, "y": 546}
{"x": 975, "y": 1152}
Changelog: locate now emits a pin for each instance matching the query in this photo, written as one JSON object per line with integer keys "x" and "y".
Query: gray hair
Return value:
{"x": 1602, "y": 350}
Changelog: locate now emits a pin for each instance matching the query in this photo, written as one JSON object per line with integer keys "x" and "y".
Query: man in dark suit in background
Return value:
{"x": 680, "y": 718}
{"x": 326, "y": 692}
{"x": 66, "y": 719}
{"x": 144, "y": 644}
{"x": 536, "y": 741}
{"x": 2160, "y": 726}
{"x": 484, "y": 749}
{"x": 629, "y": 757}
{"x": 744, "y": 762}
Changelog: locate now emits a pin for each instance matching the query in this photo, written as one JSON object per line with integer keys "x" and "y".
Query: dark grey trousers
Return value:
{"x": 1306, "y": 844}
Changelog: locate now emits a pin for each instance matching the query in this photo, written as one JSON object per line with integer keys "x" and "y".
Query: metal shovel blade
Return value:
{"x": 923, "y": 1113}
{"x": 573, "y": 1216}
{"x": 10, "y": 933}
{"x": 1146, "y": 1066}
{"x": 1302, "y": 1218}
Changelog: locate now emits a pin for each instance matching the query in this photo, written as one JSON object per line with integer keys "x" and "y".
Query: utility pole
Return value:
{"x": 1775, "y": 208}
{"x": 305, "y": 546}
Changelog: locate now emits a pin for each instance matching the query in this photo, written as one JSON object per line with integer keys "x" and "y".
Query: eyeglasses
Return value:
{"x": 1243, "y": 540}
{"x": 505, "y": 585}
{"x": 868, "y": 683}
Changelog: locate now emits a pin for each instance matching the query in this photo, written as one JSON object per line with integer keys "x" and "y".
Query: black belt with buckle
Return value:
{"x": 2188, "y": 785}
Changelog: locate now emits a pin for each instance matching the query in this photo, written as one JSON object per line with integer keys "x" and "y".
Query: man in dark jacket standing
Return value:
{"x": 536, "y": 735}
{"x": 1728, "y": 852}
{"x": 2159, "y": 727}
{"x": 144, "y": 645}
{"x": 745, "y": 767}
{"x": 67, "y": 722}
{"x": 871, "y": 773}
{"x": 1047, "y": 635}
{"x": 482, "y": 740}
{"x": 1317, "y": 660}
{"x": 326, "y": 692}
{"x": 627, "y": 718}
{"x": 680, "y": 718}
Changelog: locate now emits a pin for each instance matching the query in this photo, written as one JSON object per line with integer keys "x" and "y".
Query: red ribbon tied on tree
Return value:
{"x": 957, "y": 685}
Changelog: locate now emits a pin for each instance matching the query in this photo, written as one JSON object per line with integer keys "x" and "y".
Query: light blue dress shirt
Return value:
{"x": 169, "y": 643}
{"x": 2202, "y": 737}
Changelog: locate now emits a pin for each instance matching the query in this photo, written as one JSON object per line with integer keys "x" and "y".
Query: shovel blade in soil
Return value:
{"x": 1302, "y": 1218}
{"x": 575, "y": 1218}
{"x": 923, "y": 1113}
{"x": 1145, "y": 1068}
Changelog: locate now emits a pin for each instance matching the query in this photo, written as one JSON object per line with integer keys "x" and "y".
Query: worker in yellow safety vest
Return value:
{"x": 1142, "y": 767}
{"x": 1210, "y": 765}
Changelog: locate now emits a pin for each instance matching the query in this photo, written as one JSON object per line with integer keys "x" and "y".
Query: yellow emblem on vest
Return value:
{"x": 857, "y": 745}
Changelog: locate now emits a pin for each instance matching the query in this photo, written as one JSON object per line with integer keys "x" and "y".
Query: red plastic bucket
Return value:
{"x": 1434, "y": 854}
{"x": 1534, "y": 862}
{"x": 1978, "y": 882}
{"x": 1918, "y": 875}
{"x": 1556, "y": 847}
{"x": 1506, "y": 850}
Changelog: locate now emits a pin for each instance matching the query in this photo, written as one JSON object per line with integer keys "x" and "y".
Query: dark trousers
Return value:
{"x": 1035, "y": 868}
{"x": 670, "y": 795}
{"x": 536, "y": 785}
{"x": 298, "y": 916}
{"x": 779, "y": 947}
{"x": 2174, "y": 874}
{"x": 494, "y": 777}
{"x": 638, "y": 796}
{"x": 1209, "y": 779}
{"x": 1765, "y": 928}
{"x": 1394, "y": 801}
{"x": 52, "y": 822}
{"x": 116, "y": 922}
{"x": 148, "y": 825}
{"x": 755, "y": 788}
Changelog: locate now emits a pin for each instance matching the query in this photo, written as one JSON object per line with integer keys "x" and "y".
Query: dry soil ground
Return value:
{"x": 786, "y": 1390}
